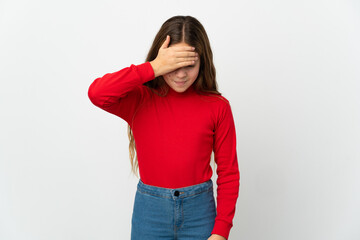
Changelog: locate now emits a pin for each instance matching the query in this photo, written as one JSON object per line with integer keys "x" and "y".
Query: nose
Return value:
{"x": 181, "y": 72}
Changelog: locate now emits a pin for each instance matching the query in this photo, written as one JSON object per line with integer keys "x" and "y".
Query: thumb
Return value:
{"x": 166, "y": 43}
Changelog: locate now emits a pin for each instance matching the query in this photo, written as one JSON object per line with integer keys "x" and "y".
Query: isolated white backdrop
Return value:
{"x": 290, "y": 70}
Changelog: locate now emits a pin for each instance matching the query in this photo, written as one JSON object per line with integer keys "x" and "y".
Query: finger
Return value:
{"x": 186, "y": 54}
{"x": 166, "y": 42}
{"x": 184, "y": 48}
{"x": 185, "y": 63}
{"x": 186, "y": 59}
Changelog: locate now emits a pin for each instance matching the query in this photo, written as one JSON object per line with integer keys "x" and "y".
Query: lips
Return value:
{"x": 181, "y": 83}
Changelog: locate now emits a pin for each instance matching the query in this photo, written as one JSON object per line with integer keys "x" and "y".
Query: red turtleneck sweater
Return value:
{"x": 175, "y": 135}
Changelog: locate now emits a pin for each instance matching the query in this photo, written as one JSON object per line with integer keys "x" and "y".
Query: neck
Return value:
{"x": 188, "y": 91}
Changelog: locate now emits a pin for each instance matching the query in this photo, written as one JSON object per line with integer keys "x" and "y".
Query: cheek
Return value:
{"x": 195, "y": 72}
{"x": 168, "y": 76}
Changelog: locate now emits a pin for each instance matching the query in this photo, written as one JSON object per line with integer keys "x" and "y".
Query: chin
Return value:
{"x": 179, "y": 89}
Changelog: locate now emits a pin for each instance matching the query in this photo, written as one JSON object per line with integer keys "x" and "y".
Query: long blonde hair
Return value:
{"x": 180, "y": 29}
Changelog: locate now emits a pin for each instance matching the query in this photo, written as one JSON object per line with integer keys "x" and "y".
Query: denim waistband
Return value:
{"x": 175, "y": 192}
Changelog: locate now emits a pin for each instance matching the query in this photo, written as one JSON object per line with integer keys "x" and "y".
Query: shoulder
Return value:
{"x": 218, "y": 102}
{"x": 224, "y": 119}
{"x": 219, "y": 107}
{"x": 224, "y": 108}
{"x": 217, "y": 99}
{"x": 145, "y": 91}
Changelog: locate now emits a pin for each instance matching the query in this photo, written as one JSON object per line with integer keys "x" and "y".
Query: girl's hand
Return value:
{"x": 171, "y": 58}
{"x": 216, "y": 237}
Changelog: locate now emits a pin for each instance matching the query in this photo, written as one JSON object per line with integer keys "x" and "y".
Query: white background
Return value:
{"x": 290, "y": 70}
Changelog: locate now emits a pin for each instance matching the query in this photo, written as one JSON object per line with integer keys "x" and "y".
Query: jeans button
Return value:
{"x": 176, "y": 193}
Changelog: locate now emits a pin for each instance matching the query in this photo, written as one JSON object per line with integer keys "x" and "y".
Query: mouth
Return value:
{"x": 180, "y": 83}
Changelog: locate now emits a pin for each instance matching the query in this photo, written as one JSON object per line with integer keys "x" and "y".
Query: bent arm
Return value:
{"x": 121, "y": 92}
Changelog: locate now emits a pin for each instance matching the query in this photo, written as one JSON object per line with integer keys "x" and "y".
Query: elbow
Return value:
{"x": 93, "y": 95}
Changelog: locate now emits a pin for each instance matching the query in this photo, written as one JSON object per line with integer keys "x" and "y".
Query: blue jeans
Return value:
{"x": 186, "y": 213}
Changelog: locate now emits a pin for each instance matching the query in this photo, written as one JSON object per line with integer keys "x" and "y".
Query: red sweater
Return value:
{"x": 175, "y": 135}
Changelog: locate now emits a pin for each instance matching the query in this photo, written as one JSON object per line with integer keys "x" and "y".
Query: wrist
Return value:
{"x": 155, "y": 67}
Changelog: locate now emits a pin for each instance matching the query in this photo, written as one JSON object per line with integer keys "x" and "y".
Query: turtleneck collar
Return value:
{"x": 190, "y": 90}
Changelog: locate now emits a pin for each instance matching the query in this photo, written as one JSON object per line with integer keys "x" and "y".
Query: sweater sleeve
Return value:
{"x": 228, "y": 174}
{"x": 121, "y": 92}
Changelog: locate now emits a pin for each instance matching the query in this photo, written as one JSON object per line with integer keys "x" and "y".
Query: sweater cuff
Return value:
{"x": 145, "y": 72}
{"x": 221, "y": 228}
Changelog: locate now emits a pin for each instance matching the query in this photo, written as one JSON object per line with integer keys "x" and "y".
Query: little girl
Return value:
{"x": 176, "y": 118}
